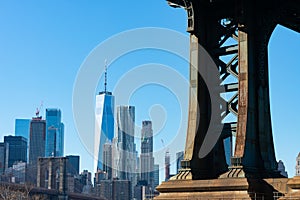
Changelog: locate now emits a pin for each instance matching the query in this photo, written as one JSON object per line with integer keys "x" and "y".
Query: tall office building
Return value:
{"x": 107, "y": 159}
{"x": 104, "y": 126}
{"x": 156, "y": 175}
{"x": 115, "y": 158}
{"x": 37, "y": 143}
{"x": 22, "y": 128}
{"x": 54, "y": 133}
{"x": 37, "y": 140}
{"x": 179, "y": 158}
{"x": 138, "y": 170}
{"x": 15, "y": 150}
{"x": 126, "y": 147}
{"x": 146, "y": 158}
{"x": 167, "y": 165}
{"x": 72, "y": 165}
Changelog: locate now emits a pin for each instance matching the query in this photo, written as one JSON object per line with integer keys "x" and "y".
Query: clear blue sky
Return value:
{"x": 44, "y": 43}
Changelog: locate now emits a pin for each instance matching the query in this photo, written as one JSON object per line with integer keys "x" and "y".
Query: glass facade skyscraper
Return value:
{"x": 73, "y": 164}
{"x": 22, "y": 128}
{"x": 104, "y": 126}
{"x": 37, "y": 140}
{"x": 107, "y": 159}
{"x": 156, "y": 175}
{"x": 146, "y": 157}
{"x": 126, "y": 124}
{"x": 126, "y": 146}
{"x": 54, "y": 133}
{"x": 15, "y": 150}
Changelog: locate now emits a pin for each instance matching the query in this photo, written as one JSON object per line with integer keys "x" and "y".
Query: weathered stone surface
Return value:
{"x": 293, "y": 186}
{"x": 229, "y": 188}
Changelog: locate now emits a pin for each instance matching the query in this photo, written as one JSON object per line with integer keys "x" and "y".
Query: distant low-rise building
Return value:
{"x": 100, "y": 176}
{"x": 19, "y": 172}
{"x": 114, "y": 189}
{"x": 104, "y": 189}
{"x": 121, "y": 189}
{"x": 87, "y": 182}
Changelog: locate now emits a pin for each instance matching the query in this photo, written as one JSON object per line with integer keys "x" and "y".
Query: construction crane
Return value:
{"x": 37, "y": 112}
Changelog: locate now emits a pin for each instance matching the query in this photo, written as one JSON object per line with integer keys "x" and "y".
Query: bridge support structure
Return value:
{"x": 235, "y": 33}
{"x": 51, "y": 173}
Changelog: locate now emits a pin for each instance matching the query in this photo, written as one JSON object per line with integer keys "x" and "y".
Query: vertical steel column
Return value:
{"x": 254, "y": 150}
{"x": 205, "y": 31}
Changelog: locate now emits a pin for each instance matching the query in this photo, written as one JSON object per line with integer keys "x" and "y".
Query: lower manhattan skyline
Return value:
{"x": 44, "y": 46}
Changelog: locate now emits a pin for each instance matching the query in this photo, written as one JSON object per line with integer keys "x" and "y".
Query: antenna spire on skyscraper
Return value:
{"x": 105, "y": 81}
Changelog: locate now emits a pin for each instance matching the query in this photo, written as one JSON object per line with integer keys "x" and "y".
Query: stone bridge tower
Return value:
{"x": 235, "y": 34}
{"x": 51, "y": 173}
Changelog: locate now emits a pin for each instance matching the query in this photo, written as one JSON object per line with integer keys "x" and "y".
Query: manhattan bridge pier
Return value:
{"x": 235, "y": 34}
